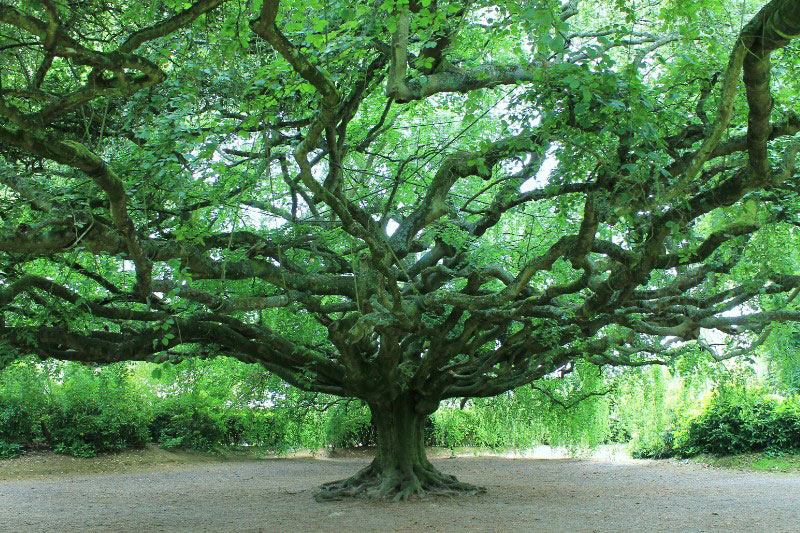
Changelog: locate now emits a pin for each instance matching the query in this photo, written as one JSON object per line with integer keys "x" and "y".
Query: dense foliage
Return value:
{"x": 72, "y": 409}
{"x": 82, "y": 411}
{"x": 732, "y": 420}
{"x": 692, "y": 407}
{"x": 407, "y": 202}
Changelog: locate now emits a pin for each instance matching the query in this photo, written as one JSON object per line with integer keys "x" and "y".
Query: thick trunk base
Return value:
{"x": 400, "y": 470}
{"x": 377, "y": 483}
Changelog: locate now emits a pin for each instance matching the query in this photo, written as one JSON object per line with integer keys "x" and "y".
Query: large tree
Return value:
{"x": 401, "y": 201}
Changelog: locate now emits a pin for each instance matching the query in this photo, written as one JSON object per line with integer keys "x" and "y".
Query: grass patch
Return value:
{"x": 755, "y": 462}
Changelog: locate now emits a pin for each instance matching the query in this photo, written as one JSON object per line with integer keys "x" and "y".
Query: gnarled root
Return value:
{"x": 400, "y": 484}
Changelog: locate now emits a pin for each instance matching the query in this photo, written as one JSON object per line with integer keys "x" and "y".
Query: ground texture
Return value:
{"x": 159, "y": 491}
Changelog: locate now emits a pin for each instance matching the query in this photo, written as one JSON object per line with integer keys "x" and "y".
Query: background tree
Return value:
{"x": 402, "y": 201}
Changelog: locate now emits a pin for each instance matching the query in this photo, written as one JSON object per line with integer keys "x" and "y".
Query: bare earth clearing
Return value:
{"x": 154, "y": 490}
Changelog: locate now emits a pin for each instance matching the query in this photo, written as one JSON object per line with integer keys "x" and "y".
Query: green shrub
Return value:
{"x": 726, "y": 427}
{"x": 9, "y": 450}
{"x": 455, "y": 427}
{"x": 350, "y": 427}
{"x": 618, "y": 431}
{"x": 22, "y": 402}
{"x": 785, "y": 426}
{"x": 235, "y": 425}
{"x": 88, "y": 414}
{"x": 657, "y": 446}
{"x": 735, "y": 419}
{"x": 187, "y": 422}
{"x": 17, "y": 424}
{"x": 741, "y": 420}
{"x": 252, "y": 427}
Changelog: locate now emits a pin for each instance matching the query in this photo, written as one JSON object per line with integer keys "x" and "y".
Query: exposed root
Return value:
{"x": 374, "y": 483}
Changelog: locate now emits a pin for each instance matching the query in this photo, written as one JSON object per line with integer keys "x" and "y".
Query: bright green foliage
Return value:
{"x": 204, "y": 404}
{"x": 783, "y": 356}
{"x": 455, "y": 427}
{"x": 740, "y": 420}
{"x": 22, "y": 403}
{"x": 88, "y": 414}
{"x": 663, "y": 413}
{"x": 573, "y": 411}
{"x": 649, "y": 405}
{"x": 409, "y": 203}
{"x": 75, "y": 409}
{"x": 350, "y": 426}
{"x": 9, "y": 450}
{"x": 254, "y": 427}
{"x": 734, "y": 419}
{"x": 187, "y": 422}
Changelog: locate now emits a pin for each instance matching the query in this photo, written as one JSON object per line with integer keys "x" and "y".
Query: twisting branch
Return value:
{"x": 569, "y": 405}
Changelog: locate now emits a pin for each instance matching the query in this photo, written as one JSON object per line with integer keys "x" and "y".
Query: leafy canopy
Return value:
{"x": 378, "y": 198}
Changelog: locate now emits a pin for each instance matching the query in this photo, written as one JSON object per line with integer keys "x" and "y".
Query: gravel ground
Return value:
{"x": 276, "y": 495}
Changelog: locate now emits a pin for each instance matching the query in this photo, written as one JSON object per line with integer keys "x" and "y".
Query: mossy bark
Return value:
{"x": 400, "y": 469}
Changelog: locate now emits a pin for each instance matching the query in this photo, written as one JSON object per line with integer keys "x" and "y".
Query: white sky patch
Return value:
{"x": 718, "y": 340}
{"x": 543, "y": 176}
{"x": 254, "y": 218}
{"x": 391, "y": 227}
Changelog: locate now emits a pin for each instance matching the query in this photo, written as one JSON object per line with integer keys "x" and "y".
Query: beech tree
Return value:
{"x": 403, "y": 201}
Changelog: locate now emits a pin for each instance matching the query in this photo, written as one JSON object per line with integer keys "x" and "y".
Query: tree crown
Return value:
{"x": 370, "y": 198}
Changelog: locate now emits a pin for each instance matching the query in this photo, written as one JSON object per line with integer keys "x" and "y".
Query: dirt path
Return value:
{"x": 524, "y": 495}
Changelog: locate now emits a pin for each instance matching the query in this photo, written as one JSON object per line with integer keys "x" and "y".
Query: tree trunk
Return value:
{"x": 400, "y": 469}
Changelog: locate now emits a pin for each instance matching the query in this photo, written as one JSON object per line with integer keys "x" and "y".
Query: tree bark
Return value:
{"x": 400, "y": 469}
